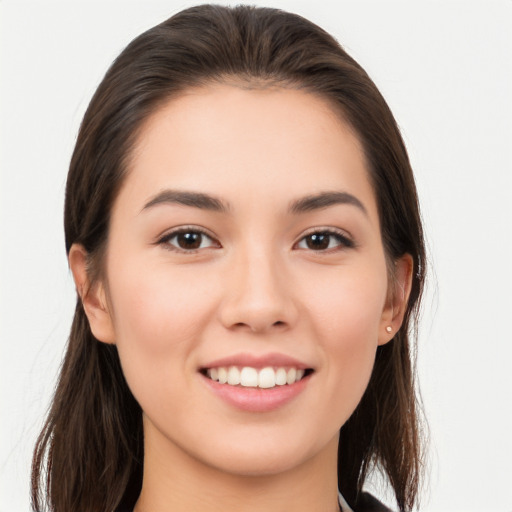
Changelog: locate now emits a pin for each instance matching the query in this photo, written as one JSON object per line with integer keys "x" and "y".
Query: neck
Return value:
{"x": 175, "y": 481}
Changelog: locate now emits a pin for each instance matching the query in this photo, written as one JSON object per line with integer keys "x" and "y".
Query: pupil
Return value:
{"x": 318, "y": 241}
{"x": 189, "y": 240}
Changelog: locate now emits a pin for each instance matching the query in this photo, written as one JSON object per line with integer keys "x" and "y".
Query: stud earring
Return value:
{"x": 389, "y": 328}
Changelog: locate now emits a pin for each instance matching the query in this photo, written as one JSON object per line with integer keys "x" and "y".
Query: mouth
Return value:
{"x": 257, "y": 382}
{"x": 251, "y": 377}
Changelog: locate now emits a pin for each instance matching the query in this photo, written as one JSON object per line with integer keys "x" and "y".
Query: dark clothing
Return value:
{"x": 368, "y": 503}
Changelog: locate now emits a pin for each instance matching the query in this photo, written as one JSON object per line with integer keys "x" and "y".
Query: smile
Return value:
{"x": 250, "y": 377}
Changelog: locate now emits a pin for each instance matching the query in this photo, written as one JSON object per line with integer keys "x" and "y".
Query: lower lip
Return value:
{"x": 257, "y": 399}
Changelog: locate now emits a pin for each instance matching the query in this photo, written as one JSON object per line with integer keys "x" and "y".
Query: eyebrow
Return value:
{"x": 324, "y": 200}
{"x": 194, "y": 199}
{"x": 207, "y": 202}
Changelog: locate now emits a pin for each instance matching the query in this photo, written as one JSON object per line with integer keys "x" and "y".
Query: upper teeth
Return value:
{"x": 251, "y": 377}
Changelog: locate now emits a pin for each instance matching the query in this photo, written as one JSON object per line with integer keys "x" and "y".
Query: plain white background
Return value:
{"x": 445, "y": 69}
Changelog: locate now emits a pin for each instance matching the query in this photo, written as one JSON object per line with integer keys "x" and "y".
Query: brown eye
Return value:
{"x": 188, "y": 240}
{"x": 318, "y": 241}
{"x": 324, "y": 240}
{"x": 191, "y": 240}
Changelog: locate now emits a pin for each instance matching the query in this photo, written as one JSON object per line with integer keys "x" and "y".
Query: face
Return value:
{"x": 245, "y": 245}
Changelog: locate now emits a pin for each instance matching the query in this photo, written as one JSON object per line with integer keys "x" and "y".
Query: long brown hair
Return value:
{"x": 90, "y": 453}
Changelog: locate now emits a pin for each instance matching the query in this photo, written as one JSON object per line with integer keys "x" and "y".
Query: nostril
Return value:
{"x": 240, "y": 325}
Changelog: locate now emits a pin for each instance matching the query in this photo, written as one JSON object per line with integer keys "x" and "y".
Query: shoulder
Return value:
{"x": 368, "y": 503}
{"x": 123, "y": 509}
{"x": 365, "y": 503}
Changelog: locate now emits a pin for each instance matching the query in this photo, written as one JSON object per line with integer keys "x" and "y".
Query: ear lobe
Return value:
{"x": 93, "y": 296}
{"x": 396, "y": 305}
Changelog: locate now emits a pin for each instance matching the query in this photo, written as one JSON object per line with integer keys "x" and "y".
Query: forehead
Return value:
{"x": 278, "y": 142}
{"x": 225, "y": 108}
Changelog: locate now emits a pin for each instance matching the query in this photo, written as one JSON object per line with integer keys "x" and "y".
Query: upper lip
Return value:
{"x": 257, "y": 361}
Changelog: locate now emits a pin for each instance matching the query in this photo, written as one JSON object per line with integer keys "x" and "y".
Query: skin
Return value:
{"x": 253, "y": 286}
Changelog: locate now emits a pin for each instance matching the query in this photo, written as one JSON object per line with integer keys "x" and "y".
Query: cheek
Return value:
{"x": 158, "y": 321}
{"x": 347, "y": 314}
{"x": 157, "y": 310}
{"x": 348, "y": 306}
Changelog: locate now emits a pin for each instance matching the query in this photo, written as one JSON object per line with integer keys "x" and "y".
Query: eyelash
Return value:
{"x": 165, "y": 240}
{"x": 343, "y": 241}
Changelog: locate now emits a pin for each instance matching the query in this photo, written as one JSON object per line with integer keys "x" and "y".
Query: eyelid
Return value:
{"x": 164, "y": 238}
{"x": 347, "y": 240}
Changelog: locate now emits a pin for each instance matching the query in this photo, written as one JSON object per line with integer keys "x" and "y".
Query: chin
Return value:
{"x": 268, "y": 457}
{"x": 260, "y": 465}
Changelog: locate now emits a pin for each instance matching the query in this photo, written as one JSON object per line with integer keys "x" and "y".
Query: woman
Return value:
{"x": 243, "y": 230}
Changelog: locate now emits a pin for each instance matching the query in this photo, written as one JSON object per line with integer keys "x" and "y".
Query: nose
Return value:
{"x": 258, "y": 295}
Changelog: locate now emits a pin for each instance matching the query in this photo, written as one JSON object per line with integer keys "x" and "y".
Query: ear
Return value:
{"x": 398, "y": 297}
{"x": 93, "y": 296}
